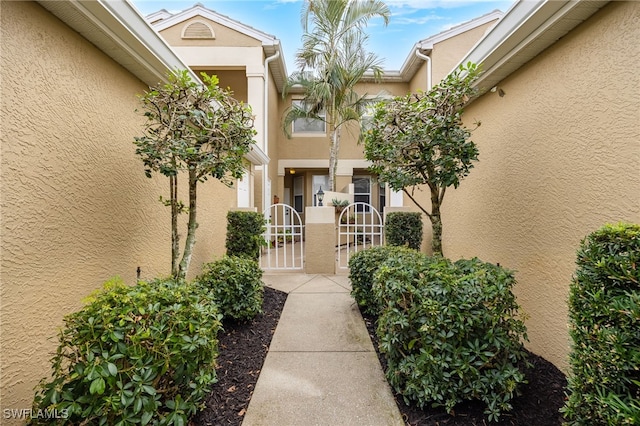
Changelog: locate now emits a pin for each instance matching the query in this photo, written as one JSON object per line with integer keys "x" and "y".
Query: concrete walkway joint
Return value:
{"x": 321, "y": 368}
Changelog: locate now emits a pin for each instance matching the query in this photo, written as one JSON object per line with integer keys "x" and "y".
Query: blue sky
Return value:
{"x": 411, "y": 21}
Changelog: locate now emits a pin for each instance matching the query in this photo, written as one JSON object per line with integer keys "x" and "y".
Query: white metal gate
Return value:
{"x": 284, "y": 247}
{"x": 359, "y": 227}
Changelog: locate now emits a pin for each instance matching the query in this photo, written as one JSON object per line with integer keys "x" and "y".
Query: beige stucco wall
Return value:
{"x": 559, "y": 157}
{"x": 224, "y": 36}
{"x": 76, "y": 207}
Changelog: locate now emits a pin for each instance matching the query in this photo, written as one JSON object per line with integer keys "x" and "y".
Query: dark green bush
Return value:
{"x": 604, "y": 317}
{"x": 244, "y": 234}
{"x": 236, "y": 285}
{"x": 404, "y": 229}
{"x": 450, "y": 331}
{"x": 143, "y": 354}
{"x": 362, "y": 267}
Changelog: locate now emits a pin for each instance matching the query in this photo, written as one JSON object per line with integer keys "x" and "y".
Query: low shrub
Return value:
{"x": 362, "y": 267}
{"x": 143, "y": 354}
{"x": 236, "y": 285}
{"x": 604, "y": 317}
{"x": 450, "y": 331}
{"x": 244, "y": 234}
{"x": 404, "y": 229}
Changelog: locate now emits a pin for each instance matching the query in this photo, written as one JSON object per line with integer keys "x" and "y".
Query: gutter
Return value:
{"x": 265, "y": 128}
{"x": 428, "y": 61}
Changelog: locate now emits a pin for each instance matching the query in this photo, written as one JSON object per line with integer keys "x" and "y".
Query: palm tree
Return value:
{"x": 332, "y": 61}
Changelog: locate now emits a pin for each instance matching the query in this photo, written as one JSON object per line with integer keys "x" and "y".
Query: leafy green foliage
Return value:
{"x": 450, "y": 331}
{"x": 362, "y": 268}
{"x": 236, "y": 285}
{"x": 420, "y": 140}
{"x": 198, "y": 129}
{"x": 244, "y": 234}
{"x": 604, "y": 316}
{"x": 404, "y": 229}
{"x": 134, "y": 355}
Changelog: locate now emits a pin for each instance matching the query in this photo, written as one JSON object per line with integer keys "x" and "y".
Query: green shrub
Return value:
{"x": 236, "y": 285}
{"x": 404, "y": 229}
{"x": 244, "y": 234}
{"x": 604, "y": 316}
{"x": 143, "y": 354}
{"x": 362, "y": 267}
{"x": 450, "y": 331}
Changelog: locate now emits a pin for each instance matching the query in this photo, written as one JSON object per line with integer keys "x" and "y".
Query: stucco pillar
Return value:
{"x": 320, "y": 240}
{"x": 255, "y": 98}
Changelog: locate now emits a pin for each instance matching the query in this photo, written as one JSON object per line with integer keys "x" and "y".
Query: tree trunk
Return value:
{"x": 175, "y": 247}
{"x": 191, "y": 227}
{"x": 436, "y": 223}
{"x": 333, "y": 157}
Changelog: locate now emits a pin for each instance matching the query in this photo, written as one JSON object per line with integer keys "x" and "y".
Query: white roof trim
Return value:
{"x": 199, "y": 10}
{"x": 528, "y": 28}
{"x": 412, "y": 62}
{"x": 119, "y": 30}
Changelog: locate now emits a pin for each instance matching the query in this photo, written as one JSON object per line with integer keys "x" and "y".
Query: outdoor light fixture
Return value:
{"x": 320, "y": 195}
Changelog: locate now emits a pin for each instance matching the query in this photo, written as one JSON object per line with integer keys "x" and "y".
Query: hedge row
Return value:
{"x": 146, "y": 354}
{"x": 604, "y": 316}
{"x": 449, "y": 331}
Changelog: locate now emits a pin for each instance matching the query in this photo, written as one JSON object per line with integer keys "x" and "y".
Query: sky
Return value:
{"x": 410, "y": 22}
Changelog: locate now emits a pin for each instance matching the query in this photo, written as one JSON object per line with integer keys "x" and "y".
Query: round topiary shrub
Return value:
{"x": 143, "y": 354}
{"x": 450, "y": 331}
{"x": 404, "y": 229}
{"x": 235, "y": 283}
{"x": 604, "y": 317}
{"x": 244, "y": 234}
{"x": 362, "y": 267}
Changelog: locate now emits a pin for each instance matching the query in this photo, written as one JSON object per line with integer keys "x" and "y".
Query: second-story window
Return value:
{"x": 308, "y": 125}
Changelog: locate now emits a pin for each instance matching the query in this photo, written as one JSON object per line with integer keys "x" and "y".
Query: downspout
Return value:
{"x": 428, "y": 60}
{"x": 265, "y": 128}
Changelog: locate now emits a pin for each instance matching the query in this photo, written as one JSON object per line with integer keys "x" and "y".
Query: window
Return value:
{"x": 362, "y": 191}
{"x": 382, "y": 197}
{"x": 319, "y": 181}
{"x": 308, "y": 125}
{"x": 298, "y": 194}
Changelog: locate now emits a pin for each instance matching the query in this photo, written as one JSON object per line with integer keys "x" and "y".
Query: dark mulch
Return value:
{"x": 243, "y": 348}
{"x": 538, "y": 405}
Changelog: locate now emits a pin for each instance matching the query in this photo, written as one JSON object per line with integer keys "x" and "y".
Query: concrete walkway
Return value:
{"x": 321, "y": 368}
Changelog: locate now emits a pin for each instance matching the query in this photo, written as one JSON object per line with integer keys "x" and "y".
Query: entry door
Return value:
{"x": 287, "y": 213}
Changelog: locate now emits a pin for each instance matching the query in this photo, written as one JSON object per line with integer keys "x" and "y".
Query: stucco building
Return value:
{"x": 559, "y": 151}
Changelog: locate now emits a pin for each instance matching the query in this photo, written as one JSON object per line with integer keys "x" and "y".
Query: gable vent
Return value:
{"x": 198, "y": 29}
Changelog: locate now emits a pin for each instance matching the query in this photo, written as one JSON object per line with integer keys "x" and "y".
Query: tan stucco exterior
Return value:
{"x": 224, "y": 36}
{"x": 76, "y": 207}
{"x": 559, "y": 157}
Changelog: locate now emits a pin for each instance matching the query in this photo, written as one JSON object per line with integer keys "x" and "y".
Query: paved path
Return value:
{"x": 321, "y": 368}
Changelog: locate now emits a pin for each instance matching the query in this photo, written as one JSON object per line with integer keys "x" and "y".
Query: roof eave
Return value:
{"x": 119, "y": 30}
{"x": 528, "y": 28}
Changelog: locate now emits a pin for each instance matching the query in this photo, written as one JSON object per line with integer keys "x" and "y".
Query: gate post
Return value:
{"x": 320, "y": 240}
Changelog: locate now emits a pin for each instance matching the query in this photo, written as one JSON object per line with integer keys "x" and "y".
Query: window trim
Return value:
{"x": 322, "y": 132}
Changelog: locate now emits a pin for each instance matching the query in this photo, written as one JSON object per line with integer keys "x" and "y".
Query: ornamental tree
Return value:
{"x": 419, "y": 140}
{"x": 194, "y": 130}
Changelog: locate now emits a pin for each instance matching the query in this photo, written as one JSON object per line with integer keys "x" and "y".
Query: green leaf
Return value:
{"x": 97, "y": 386}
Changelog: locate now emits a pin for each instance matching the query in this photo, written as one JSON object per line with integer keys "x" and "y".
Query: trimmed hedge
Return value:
{"x": 362, "y": 267}
{"x": 404, "y": 229}
{"x": 235, "y": 283}
{"x": 244, "y": 234}
{"x": 143, "y": 354}
{"x": 604, "y": 316}
{"x": 450, "y": 331}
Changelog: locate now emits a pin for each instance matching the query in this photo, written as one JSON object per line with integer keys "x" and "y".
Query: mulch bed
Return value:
{"x": 244, "y": 346}
{"x": 538, "y": 405}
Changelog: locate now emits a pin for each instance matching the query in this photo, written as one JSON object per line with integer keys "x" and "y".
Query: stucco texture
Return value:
{"x": 76, "y": 206}
{"x": 559, "y": 157}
